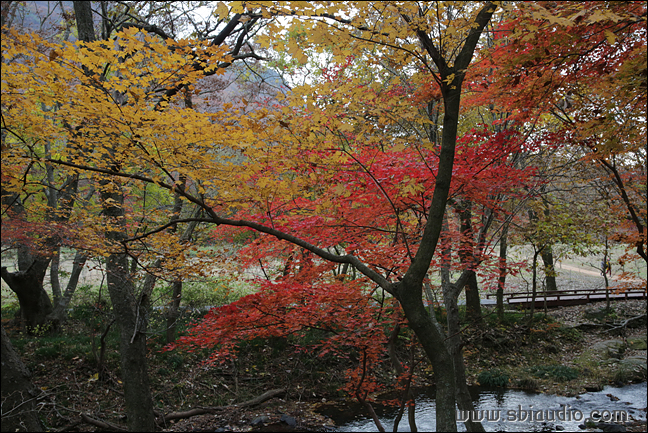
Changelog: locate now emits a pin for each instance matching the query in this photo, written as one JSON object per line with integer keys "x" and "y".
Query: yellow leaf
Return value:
{"x": 449, "y": 79}
{"x": 611, "y": 37}
{"x": 221, "y": 10}
{"x": 341, "y": 190}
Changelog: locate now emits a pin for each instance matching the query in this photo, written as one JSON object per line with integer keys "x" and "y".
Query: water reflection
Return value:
{"x": 509, "y": 410}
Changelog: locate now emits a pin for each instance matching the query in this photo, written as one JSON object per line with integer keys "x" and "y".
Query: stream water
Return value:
{"x": 509, "y": 410}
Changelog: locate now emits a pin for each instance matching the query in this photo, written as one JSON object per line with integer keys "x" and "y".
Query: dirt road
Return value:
{"x": 594, "y": 273}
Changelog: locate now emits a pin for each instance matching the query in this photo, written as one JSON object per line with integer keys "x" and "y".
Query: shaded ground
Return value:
{"x": 562, "y": 338}
{"x": 65, "y": 369}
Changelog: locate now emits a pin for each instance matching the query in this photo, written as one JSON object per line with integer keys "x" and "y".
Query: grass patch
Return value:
{"x": 212, "y": 293}
{"x": 175, "y": 361}
{"x": 509, "y": 318}
{"x": 527, "y": 382}
{"x": 626, "y": 375}
{"x": 70, "y": 346}
{"x": 560, "y": 373}
{"x": 67, "y": 347}
{"x": 570, "y": 334}
{"x": 493, "y": 379}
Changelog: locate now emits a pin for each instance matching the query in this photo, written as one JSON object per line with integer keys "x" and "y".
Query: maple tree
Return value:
{"x": 590, "y": 90}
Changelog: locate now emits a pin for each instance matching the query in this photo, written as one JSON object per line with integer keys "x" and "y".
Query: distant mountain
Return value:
{"x": 49, "y": 18}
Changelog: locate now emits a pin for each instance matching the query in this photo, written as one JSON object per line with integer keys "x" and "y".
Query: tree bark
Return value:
{"x": 174, "y": 311}
{"x": 131, "y": 310}
{"x": 453, "y": 341}
{"x": 408, "y": 398}
{"x": 59, "y": 314}
{"x": 466, "y": 254}
{"x": 84, "y": 21}
{"x": 534, "y": 283}
{"x": 131, "y": 313}
{"x": 550, "y": 271}
{"x": 432, "y": 341}
{"x": 35, "y": 304}
{"x": 18, "y": 393}
{"x": 604, "y": 268}
{"x": 54, "y": 273}
{"x": 501, "y": 281}
{"x": 464, "y": 400}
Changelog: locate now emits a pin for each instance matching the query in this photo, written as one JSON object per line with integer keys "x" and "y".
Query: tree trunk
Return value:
{"x": 176, "y": 296}
{"x": 473, "y": 300}
{"x": 466, "y": 254}
{"x": 409, "y": 291}
{"x": 173, "y": 312}
{"x": 455, "y": 345}
{"x": 130, "y": 310}
{"x": 604, "y": 270}
{"x": 35, "y": 304}
{"x": 131, "y": 313}
{"x": 59, "y": 314}
{"x": 501, "y": 281}
{"x": 550, "y": 271}
{"x": 534, "y": 283}
{"x": 84, "y": 21}
{"x": 432, "y": 341}
{"x": 131, "y": 317}
{"x": 408, "y": 398}
{"x": 27, "y": 282}
{"x": 18, "y": 393}
{"x": 54, "y": 276}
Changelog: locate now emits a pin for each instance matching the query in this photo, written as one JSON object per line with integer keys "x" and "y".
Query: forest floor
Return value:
{"x": 65, "y": 369}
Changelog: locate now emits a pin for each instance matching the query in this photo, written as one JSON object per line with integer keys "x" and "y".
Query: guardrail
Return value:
{"x": 569, "y": 297}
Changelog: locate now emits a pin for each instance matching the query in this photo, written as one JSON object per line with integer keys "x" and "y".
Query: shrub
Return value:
{"x": 214, "y": 293}
{"x": 571, "y": 334}
{"x": 626, "y": 375}
{"x": 493, "y": 378}
{"x": 527, "y": 383}
{"x": 87, "y": 294}
{"x": 561, "y": 373}
{"x": 9, "y": 308}
{"x": 508, "y": 319}
{"x": 48, "y": 352}
{"x": 175, "y": 361}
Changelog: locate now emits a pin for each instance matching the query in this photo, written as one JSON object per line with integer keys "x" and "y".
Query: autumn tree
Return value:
{"x": 390, "y": 33}
{"x": 590, "y": 91}
{"x": 96, "y": 75}
{"x": 37, "y": 232}
{"x": 38, "y": 221}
